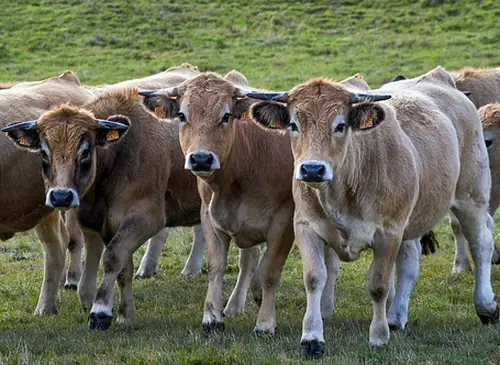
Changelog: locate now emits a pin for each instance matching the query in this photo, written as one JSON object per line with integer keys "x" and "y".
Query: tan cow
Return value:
{"x": 171, "y": 77}
{"x": 242, "y": 196}
{"x": 94, "y": 164}
{"x": 22, "y": 195}
{"x": 382, "y": 174}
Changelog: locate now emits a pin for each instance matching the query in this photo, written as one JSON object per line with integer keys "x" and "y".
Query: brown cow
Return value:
{"x": 25, "y": 208}
{"x": 114, "y": 207}
{"x": 382, "y": 174}
{"x": 243, "y": 198}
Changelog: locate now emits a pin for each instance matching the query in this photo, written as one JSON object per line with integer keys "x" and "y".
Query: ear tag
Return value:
{"x": 112, "y": 135}
{"x": 368, "y": 123}
{"x": 274, "y": 124}
{"x": 24, "y": 142}
{"x": 160, "y": 112}
{"x": 246, "y": 116}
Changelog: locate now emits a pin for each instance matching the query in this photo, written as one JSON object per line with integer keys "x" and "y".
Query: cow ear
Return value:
{"x": 270, "y": 114}
{"x": 24, "y": 135}
{"x": 111, "y": 130}
{"x": 161, "y": 106}
{"x": 365, "y": 116}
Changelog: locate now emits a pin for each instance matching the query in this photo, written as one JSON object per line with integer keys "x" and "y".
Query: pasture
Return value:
{"x": 276, "y": 45}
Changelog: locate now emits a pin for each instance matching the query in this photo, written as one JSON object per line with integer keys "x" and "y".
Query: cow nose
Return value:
{"x": 201, "y": 161}
{"x": 61, "y": 198}
{"x": 312, "y": 172}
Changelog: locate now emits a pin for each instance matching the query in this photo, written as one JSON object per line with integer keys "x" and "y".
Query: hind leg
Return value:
{"x": 149, "y": 262}
{"x": 407, "y": 268}
{"x": 462, "y": 263}
{"x": 192, "y": 267}
{"x": 477, "y": 228}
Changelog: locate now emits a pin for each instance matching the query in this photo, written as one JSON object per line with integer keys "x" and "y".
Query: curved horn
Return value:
{"x": 281, "y": 96}
{"x": 109, "y": 124}
{"x": 30, "y": 125}
{"x": 360, "y": 97}
{"x": 170, "y": 92}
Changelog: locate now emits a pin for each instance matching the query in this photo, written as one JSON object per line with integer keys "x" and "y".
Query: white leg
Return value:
{"x": 408, "y": 267}
{"x": 249, "y": 259}
{"x": 195, "y": 259}
{"x": 149, "y": 262}
{"x": 332, "y": 263}
{"x": 462, "y": 262}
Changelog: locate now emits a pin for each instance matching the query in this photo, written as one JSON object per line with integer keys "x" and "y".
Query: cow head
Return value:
{"x": 65, "y": 139}
{"x": 323, "y": 118}
{"x": 207, "y": 108}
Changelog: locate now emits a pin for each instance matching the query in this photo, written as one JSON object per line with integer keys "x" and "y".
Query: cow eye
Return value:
{"x": 45, "y": 157}
{"x": 339, "y": 128}
{"x": 293, "y": 127}
{"x": 225, "y": 118}
{"x": 181, "y": 117}
{"x": 85, "y": 153}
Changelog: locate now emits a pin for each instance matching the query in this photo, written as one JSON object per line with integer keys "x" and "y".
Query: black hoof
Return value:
{"x": 393, "y": 327}
{"x": 72, "y": 287}
{"x": 257, "y": 301}
{"x": 312, "y": 349}
{"x": 213, "y": 327}
{"x": 264, "y": 333}
{"x": 145, "y": 276}
{"x": 99, "y": 321}
{"x": 489, "y": 318}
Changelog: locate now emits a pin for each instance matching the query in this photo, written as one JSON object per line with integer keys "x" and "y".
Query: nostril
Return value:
{"x": 210, "y": 159}
{"x": 303, "y": 170}
{"x": 192, "y": 159}
{"x": 321, "y": 171}
{"x": 68, "y": 198}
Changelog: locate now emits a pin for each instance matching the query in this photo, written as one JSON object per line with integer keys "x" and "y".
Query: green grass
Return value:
{"x": 276, "y": 44}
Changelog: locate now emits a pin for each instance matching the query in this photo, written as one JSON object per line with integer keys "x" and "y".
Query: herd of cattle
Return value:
{"x": 335, "y": 167}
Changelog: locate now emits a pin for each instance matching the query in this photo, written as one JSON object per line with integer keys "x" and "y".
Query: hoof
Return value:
{"x": 257, "y": 301}
{"x": 72, "y": 287}
{"x": 394, "y": 327}
{"x": 213, "y": 327}
{"x": 264, "y": 332}
{"x": 99, "y": 321}
{"x": 489, "y": 318}
{"x": 312, "y": 349}
{"x": 145, "y": 275}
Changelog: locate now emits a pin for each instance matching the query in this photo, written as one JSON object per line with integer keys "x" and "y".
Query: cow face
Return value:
{"x": 207, "y": 109}
{"x": 322, "y": 118}
{"x": 65, "y": 139}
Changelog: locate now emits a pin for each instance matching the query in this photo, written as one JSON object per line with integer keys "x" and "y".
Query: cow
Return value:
{"x": 123, "y": 168}
{"x": 482, "y": 86}
{"x": 22, "y": 196}
{"x": 242, "y": 199}
{"x": 377, "y": 170}
{"x": 170, "y": 77}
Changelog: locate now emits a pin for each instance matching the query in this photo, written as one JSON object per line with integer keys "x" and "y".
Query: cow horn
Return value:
{"x": 170, "y": 92}
{"x": 30, "y": 125}
{"x": 360, "y": 97}
{"x": 109, "y": 124}
{"x": 281, "y": 96}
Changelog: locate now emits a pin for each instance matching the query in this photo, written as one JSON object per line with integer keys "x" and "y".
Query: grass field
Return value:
{"x": 276, "y": 45}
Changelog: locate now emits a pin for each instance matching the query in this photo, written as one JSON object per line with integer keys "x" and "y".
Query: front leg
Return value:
{"x": 136, "y": 227}
{"x": 126, "y": 310}
{"x": 87, "y": 287}
{"x": 385, "y": 251}
{"x": 312, "y": 253}
{"x": 217, "y": 246}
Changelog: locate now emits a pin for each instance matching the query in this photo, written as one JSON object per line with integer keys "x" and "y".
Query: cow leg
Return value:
{"x": 462, "y": 262}
{"x": 385, "y": 251}
{"x": 217, "y": 247}
{"x": 312, "y": 253}
{"x": 126, "y": 310}
{"x": 279, "y": 243}
{"x": 135, "y": 228}
{"x": 149, "y": 262}
{"x": 75, "y": 247}
{"x": 87, "y": 286}
{"x": 49, "y": 233}
{"x": 192, "y": 267}
{"x": 332, "y": 263}
{"x": 477, "y": 226}
{"x": 494, "y": 202}
{"x": 256, "y": 283}
{"x": 408, "y": 267}
{"x": 249, "y": 259}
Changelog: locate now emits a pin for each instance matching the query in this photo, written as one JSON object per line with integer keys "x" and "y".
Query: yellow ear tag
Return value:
{"x": 160, "y": 112}
{"x": 24, "y": 142}
{"x": 274, "y": 124}
{"x": 112, "y": 135}
{"x": 368, "y": 123}
{"x": 246, "y": 116}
